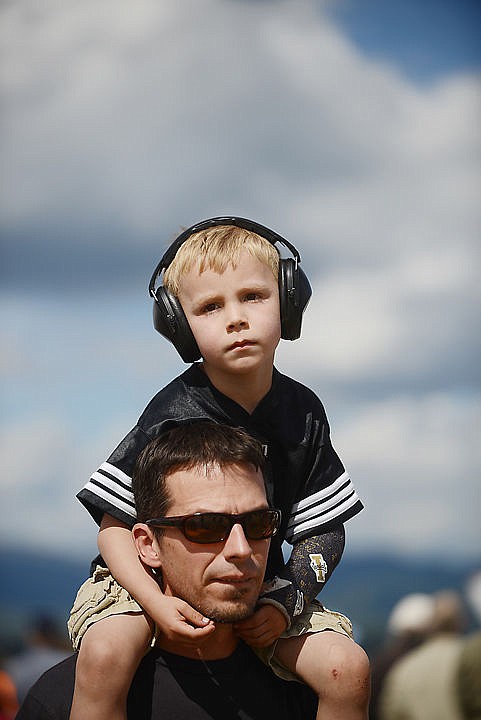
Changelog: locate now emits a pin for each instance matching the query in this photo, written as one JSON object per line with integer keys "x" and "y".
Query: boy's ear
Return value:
{"x": 147, "y": 545}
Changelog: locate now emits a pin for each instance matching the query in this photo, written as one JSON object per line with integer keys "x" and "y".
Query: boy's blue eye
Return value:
{"x": 252, "y": 296}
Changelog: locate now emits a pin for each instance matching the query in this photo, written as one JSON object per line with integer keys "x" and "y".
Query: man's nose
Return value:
{"x": 237, "y": 545}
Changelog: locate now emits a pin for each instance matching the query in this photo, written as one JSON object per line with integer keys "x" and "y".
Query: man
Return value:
{"x": 204, "y": 531}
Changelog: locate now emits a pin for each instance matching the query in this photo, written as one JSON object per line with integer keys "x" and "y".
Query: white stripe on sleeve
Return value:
{"x": 113, "y": 485}
{"x": 112, "y": 499}
{"x": 116, "y": 473}
{"x": 321, "y": 507}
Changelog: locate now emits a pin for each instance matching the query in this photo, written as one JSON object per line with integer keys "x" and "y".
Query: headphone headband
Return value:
{"x": 243, "y": 223}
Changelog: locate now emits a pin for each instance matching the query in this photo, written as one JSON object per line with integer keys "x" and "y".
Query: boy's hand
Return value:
{"x": 179, "y": 622}
{"x": 263, "y": 628}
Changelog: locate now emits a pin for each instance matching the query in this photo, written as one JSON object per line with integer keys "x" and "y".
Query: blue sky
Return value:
{"x": 352, "y": 128}
{"x": 427, "y": 40}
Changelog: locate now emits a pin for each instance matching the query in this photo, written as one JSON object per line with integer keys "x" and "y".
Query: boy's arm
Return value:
{"x": 310, "y": 566}
{"x": 174, "y": 617}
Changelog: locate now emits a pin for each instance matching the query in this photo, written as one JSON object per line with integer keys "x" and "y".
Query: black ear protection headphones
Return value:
{"x": 294, "y": 290}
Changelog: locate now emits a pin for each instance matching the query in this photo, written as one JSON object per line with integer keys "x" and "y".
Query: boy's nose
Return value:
{"x": 236, "y": 316}
{"x": 238, "y": 324}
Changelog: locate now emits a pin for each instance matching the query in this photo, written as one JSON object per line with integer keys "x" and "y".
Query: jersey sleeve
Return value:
{"x": 322, "y": 511}
{"x": 109, "y": 489}
{"x": 326, "y": 497}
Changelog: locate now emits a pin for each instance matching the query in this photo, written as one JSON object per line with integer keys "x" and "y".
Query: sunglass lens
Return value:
{"x": 207, "y": 527}
{"x": 261, "y": 524}
{"x": 215, "y": 527}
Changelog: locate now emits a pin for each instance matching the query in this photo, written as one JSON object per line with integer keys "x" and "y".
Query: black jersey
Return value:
{"x": 171, "y": 687}
{"x": 306, "y": 478}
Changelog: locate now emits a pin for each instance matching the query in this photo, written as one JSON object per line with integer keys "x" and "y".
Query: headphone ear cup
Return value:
{"x": 294, "y": 294}
{"x": 170, "y": 321}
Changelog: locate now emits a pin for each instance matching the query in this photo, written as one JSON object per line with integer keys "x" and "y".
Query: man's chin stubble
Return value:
{"x": 226, "y": 615}
{"x": 229, "y": 618}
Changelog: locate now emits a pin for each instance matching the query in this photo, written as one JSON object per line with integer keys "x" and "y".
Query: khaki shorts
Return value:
{"x": 314, "y": 618}
{"x": 101, "y": 596}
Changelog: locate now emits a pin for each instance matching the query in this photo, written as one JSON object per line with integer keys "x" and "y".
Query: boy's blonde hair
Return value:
{"x": 214, "y": 249}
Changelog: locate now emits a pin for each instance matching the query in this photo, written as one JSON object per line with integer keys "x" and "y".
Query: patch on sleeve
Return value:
{"x": 299, "y": 604}
{"x": 319, "y": 566}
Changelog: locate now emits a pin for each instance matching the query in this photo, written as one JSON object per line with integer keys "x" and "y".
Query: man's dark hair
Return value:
{"x": 187, "y": 446}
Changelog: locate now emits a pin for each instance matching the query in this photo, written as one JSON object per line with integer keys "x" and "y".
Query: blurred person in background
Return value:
{"x": 408, "y": 625}
{"x": 468, "y": 678}
{"x": 8, "y": 696}
{"x": 422, "y": 685}
{"x": 46, "y": 645}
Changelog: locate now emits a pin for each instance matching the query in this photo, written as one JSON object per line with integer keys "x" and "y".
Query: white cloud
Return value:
{"x": 130, "y": 120}
{"x": 46, "y": 460}
{"x": 408, "y": 321}
{"x": 42, "y": 464}
{"x": 137, "y": 116}
{"x": 416, "y": 462}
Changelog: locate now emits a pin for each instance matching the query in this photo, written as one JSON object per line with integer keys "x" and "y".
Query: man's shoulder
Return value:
{"x": 51, "y": 696}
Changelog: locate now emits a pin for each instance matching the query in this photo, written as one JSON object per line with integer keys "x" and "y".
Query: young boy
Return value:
{"x": 227, "y": 297}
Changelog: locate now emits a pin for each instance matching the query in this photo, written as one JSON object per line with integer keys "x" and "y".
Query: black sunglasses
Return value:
{"x": 214, "y": 527}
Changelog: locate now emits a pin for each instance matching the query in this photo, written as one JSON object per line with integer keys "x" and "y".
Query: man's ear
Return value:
{"x": 147, "y": 545}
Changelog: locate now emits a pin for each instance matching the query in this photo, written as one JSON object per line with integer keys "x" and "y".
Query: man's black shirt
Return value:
{"x": 171, "y": 687}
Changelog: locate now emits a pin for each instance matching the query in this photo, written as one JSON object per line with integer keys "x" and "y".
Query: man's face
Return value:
{"x": 234, "y": 315}
{"x": 221, "y": 580}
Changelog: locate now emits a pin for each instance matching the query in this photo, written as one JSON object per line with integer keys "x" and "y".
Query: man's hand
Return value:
{"x": 177, "y": 621}
{"x": 263, "y": 628}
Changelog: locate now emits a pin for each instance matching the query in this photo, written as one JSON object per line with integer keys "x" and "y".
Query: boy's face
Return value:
{"x": 234, "y": 315}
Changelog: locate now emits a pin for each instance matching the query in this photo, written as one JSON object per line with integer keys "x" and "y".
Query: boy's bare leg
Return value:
{"x": 335, "y": 668}
{"x": 109, "y": 655}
